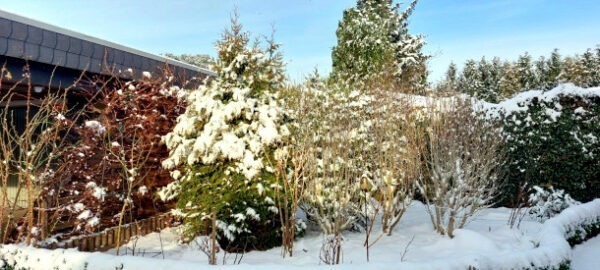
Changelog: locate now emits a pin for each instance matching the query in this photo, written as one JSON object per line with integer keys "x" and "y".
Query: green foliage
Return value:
{"x": 222, "y": 149}
{"x": 374, "y": 46}
{"x": 496, "y": 81}
{"x": 5, "y": 265}
{"x": 555, "y": 143}
{"x": 584, "y": 232}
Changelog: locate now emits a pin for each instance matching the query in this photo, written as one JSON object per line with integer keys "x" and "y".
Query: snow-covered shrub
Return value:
{"x": 222, "y": 148}
{"x": 342, "y": 153}
{"x": 546, "y": 203}
{"x": 553, "y": 140}
{"x": 464, "y": 157}
{"x": 295, "y": 162}
{"x": 398, "y": 134}
{"x": 113, "y": 164}
{"x": 361, "y": 147}
{"x": 338, "y": 149}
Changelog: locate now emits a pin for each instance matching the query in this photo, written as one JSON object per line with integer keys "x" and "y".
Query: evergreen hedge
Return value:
{"x": 554, "y": 142}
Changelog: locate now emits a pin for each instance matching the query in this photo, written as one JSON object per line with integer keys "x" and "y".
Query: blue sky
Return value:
{"x": 455, "y": 30}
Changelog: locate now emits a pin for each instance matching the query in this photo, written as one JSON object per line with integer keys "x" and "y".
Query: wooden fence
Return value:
{"x": 107, "y": 239}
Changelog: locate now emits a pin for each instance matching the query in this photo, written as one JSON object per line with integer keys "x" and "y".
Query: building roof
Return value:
{"x": 32, "y": 40}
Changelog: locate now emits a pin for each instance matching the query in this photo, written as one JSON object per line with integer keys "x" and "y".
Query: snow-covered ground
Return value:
{"x": 587, "y": 255}
{"x": 487, "y": 234}
{"x": 486, "y": 242}
{"x": 413, "y": 243}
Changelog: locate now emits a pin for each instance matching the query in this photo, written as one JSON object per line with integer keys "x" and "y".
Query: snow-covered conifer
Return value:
{"x": 470, "y": 79}
{"x": 374, "y": 43}
{"x": 221, "y": 146}
{"x": 526, "y": 75}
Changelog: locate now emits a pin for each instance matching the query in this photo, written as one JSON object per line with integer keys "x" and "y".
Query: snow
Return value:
{"x": 587, "y": 255}
{"x": 85, "y": 214}
{"x": 519, "y": 101}
{"x": 143, "y": 190}
{"x": 95, "y": 126}
{"x": 486, "y": 243}
{"x": 60, "y": 117}
{"x": 97, "y": 192}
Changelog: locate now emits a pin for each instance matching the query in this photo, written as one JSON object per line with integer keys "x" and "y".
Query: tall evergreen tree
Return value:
{"x": 374, "y": 46}
{"x": 587, "y": 64}
{"x": 571, "y": 71}
{"x": 540, "y": 69}
{"x": 524, "y": 69}
{"x": 509, "y": 83}
{"x": 451, "y": 79}
{"x": 596, "y": 67}
{"x": 554, "y": 70}
{"x": 490, "y": 78}
{"x": 469, "y": 81}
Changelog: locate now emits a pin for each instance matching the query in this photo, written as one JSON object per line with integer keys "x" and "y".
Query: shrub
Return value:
{"x": 464, "y": 158}
{"x": 548, "y": 203}
{"x": 553, "y": 140}
{"x": 113, "y": 166}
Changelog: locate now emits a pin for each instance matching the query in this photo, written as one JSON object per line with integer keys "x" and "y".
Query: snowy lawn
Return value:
{"x": 486, "y": 243}
{"x": 587, "y": 255}
{"x": 486, "y": 234}
{"x": 413, "y": 242}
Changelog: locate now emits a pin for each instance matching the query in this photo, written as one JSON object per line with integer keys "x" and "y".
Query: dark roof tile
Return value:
{"x": 84, "y": 62}
{"x": 3, "y": 46}
{"x": 62, "y": 42}
{"x": 99, "y": 52}
{"x": 109, "y": 56}
{"x": 75, "y": 45}
{"x": 5, "y": 27}
{"x": 32, "y": 51}
{"x": 15, "y": 48}
{"x": 87, "y": 48}
{"x": 118, "y": 59}
{"x": 95, "y": 65}
{"x": 46, "y": 55}
{"x": 72, "y": 60}
{"x": 35, "y": 35}
{"x": 19, "y": 31}
{"x": 60, "y": 57}
{"x": 24, "y": 38}
{"x": 137, "y": 61}
{"x": 146, "y": 63}
{"x": 128, "y": 60}
{"x": 49, "y": 39}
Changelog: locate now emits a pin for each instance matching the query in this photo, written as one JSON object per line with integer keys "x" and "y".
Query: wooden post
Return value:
{"x": 104, "y": 240}
{"x": 80, "y": 244}
{"x": 134, "y": 229}
{"x": 110, "y": 238}
{"x": 127, "y": 233}
{"x": 76, "y": 243}
{"x": 97, "y": 241}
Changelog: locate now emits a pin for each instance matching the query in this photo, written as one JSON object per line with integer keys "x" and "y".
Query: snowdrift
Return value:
{"x": 552, "y": 250}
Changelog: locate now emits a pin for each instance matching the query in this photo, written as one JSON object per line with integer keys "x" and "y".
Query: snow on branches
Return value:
{"x": 222, "y": 148}
{"x": 114, "y": 156}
